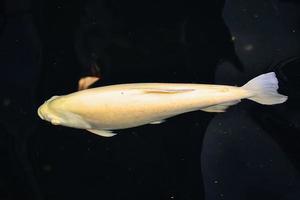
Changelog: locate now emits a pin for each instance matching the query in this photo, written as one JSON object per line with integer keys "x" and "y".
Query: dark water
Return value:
{"x": 249, "y": 152}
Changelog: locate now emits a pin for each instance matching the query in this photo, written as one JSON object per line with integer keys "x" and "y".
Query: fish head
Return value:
{"x": 56, "y": 111}
{"x": 49, "y": 111}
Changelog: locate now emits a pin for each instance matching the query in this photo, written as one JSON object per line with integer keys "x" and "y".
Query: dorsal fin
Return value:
{"x": 165, "y": 90}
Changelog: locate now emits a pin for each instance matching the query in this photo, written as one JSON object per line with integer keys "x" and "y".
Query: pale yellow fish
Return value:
{"x": 104, "y": 109}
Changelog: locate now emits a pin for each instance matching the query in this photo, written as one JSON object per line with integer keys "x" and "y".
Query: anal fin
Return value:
{"x": 220, "y": 107}
{"x": 103, "y": 133}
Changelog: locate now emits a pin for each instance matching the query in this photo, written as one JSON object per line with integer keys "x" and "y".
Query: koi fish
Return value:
{"x": 105, "y": 109}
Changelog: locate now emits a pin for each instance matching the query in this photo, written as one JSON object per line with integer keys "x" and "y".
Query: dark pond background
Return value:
{"x": 249, "y": 152}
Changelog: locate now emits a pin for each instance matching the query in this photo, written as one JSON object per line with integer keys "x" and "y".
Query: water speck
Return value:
{"x": 244, "y": 10}
{"x": 47, "y": 168}
{"x": 261, "y": 165}
{"x": 6, "y": 102}
{"x": 248, "y": 47}
{"x": 216, "y": 182}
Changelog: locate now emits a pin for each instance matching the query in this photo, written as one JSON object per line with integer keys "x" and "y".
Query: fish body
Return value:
{"x": 103, "y": 109}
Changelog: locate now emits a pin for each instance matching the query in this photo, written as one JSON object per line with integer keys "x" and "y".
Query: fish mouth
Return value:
{"x": 40, "y": 112}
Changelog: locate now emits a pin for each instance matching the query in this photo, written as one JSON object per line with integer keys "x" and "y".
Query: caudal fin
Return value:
{"x": 264, "y": 89}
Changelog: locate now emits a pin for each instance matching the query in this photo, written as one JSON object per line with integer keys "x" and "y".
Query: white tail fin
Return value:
{"x": 264, "y": 89}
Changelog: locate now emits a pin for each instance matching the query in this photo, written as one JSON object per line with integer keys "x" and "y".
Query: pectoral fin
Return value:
{"x": 103, "y": 133}
{"x": 157, "y": 122}
{"x": 220, "y": 107}
{"x": 86, "y": 82}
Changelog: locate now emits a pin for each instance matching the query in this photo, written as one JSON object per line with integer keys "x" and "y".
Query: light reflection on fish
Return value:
{"x": 104, "y": 109}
